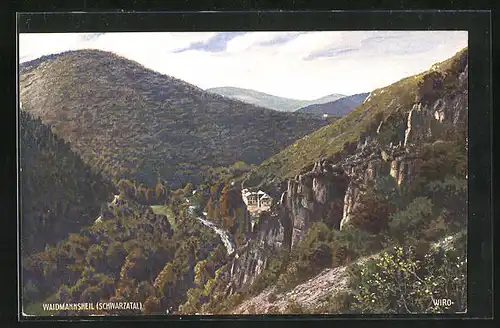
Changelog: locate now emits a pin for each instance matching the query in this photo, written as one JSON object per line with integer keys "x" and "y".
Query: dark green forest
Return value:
{"x": 59, "y": 193}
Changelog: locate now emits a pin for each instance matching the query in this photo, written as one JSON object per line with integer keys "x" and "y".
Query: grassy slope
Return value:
{"x": 329, "y": 140}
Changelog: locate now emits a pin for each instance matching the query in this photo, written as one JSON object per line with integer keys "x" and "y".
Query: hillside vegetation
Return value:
{"x": 373, "y": 224}
{"x": 269, "y": 101}
{"x": 59, "y": 193}
{"x": 130, "y": 254}
{"x": 131, "y": 122}
{"x": 388, "y": 105}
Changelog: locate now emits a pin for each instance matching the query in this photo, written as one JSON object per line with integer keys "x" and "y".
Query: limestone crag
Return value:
{"x": 330, "y": 189}
{"x": 438, "y": 108}
{"x": 267, "y": 238}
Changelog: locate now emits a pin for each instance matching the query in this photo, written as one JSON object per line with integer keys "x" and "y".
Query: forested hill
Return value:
{"x": 131, "y": 122}
{"x": 59, "y": 193}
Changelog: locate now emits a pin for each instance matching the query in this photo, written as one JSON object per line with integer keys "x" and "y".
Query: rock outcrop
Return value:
{"x": 267, "y": 238}
{"x": 310, "y": 196}
{"x": 330, "y": 190}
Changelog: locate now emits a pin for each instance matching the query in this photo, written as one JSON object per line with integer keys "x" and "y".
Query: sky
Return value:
{"x": 298, "y": 65}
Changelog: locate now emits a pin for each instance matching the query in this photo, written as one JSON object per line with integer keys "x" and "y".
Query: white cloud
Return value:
{"x": 359, "y": 61}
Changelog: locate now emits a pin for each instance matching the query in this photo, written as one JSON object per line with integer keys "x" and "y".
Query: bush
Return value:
{"x": 371, "y": 213}
{"x": 407, "y": 225}
{"x": 352, "y": 243}
{"x": 401, "y": 282}
{"x": 451, "y": 194}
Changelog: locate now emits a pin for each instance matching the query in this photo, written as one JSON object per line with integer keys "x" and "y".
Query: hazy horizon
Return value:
{"x": 295, "y": 65}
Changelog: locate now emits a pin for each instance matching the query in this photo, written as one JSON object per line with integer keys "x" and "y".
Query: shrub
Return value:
{"x": 371, "y": 213}
{"x": 400, "y": 282}
{"x": 353, "y": 243}
{"x": 408, "y": 224}
{"x": 451, "y": 194}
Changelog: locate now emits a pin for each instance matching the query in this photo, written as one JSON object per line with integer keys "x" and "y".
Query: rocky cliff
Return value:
{"x": 330, "y": 190}
{"x": 315, "y": 194}
{"x": 268, "y": 236}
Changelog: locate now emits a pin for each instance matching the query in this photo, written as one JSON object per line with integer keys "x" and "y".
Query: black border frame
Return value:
{"x": 477, "y": 23}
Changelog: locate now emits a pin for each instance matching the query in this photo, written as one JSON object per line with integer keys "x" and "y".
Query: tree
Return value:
{"x": 115, "y": 255}
{"x": 145, "y": 290}
{"x": 164, "y": 278}
{"x": 408, "y": 224}
{"x": 203, "y": 271}
{"x": 451, "y": 194}
{"x": 188, "y": 189}
{"x": 91, "y": 295}
{"x": 371, "y": 213}
{"x": 399, "y": 282}
{"x": 63, "y": 294}
{"x": 95, "y": 256}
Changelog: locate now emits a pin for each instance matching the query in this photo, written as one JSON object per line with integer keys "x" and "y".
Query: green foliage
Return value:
{"x": 401, "y": 282}
{"x": 152, "y": 305}
{"x": 229, "y": 303}
{"x": 408, "y": 224}
{"x": 153, "y": 125}
{"x": 138, "y": 253}
{"x": 275, "y": 265}
{"x": 371, "y": 214}
{"x": 133, "y": 253}
{"x": 323, "y": 247}
{"x": 451, "y": 194}
{"x": 60, "y": 194}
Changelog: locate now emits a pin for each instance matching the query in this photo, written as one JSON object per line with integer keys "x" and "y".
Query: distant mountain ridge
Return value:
{"x": 339, "y": 107}
{"x": 269, "y": 101}
{"x": 131, "y": 122}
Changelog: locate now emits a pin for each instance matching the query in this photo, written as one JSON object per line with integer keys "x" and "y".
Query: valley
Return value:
{"x": 209, "y": 205}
